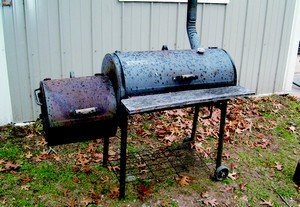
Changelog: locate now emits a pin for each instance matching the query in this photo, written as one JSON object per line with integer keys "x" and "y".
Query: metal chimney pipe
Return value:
{"x": 191, "y": 24}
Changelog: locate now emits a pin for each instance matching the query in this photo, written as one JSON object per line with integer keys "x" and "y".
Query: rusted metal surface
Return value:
{"x": 148, "y": 103}
{"x": 86, "y": 103}
{"x": 151, "y": 72}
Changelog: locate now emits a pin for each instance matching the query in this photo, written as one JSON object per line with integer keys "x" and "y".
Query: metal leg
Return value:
{"x": 105, "y": 151}
{"x": 296, "y": 177}
{"x": 123, "y": 126}
{"x": 195, "y": 121}
{"x": 223, "y": 108}
{"x": 50, "y": 149}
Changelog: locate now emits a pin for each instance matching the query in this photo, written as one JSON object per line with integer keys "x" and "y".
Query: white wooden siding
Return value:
{"x": 50, "y": 38}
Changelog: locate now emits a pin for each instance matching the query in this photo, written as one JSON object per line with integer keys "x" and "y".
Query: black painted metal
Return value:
{"x": 195, "y": 121}
{"x": 123, "y": 126}
{"x": 223, "y": 108}
{"x": 140, "y": 104}
{"x": 191, "y": 24}
{"x": 296, "y": 177}
{"x": 105, "y": 151}
{"x": 151, "y": 72}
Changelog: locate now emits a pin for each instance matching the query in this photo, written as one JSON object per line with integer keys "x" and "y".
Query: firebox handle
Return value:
{"x": 37, "y": 99}
{"x": 85, "y": 111}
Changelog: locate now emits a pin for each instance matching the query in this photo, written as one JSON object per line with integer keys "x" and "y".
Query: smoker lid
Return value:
{"x": 87, "y": 99}
{"x": 150, "y": 72}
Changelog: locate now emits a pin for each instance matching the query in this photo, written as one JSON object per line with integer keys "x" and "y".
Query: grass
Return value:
{"x": 261, "y": 149}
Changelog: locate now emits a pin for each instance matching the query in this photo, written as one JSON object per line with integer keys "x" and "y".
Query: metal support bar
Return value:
{"x": 123, "y": 126}
{"x": 195, "y": 121}
{"x": 296, "y": 177}
{"x": 105, "y": 151}
{"x": 223, "y": 108}
{"x": 50, "y": 149}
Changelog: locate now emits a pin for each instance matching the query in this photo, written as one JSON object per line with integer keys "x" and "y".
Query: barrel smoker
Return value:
{"x": 76, "y": 109}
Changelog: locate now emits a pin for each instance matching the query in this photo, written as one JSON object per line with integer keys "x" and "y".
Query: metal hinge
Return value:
{"x": 6, "y": 2}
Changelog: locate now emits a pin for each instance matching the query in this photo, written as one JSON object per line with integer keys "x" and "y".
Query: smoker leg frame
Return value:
{"x": 223, "y": 108}
{"x": 221, "y": 171}
{"x": 195, "y": 122}
{"x": 105, "y": 151}
{"x": 123, "y": 126}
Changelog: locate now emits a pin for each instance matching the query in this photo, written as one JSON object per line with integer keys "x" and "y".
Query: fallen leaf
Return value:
{"x": 278, "y": 166}
{"x": 226, "y": 155}
{"x": 98, "y": 157}
{"x": 87, "y": 169}
{"x": 1, "y": 161}
{"x": 113, "y": 168}
{"x": 205, "y": 194}
{"x": 183, "y": 180}
{"x": 86, "y": 201}
{"x": 26, "y": 146}
{"x": 111, "y": 152}
{"x": 38, "y": 158}
{"x": 261, "y": 136}
{"x": 66, "y": 192}
{"x": 95, "y": 196}
{"x": 9, "y": 166}
{"x": 243, "y": 186}
{"x": 292, "y": 129}
{"x": 210, "y": 201}
{"x": 25, "y": 187}
{"x": 114, "y": 192}
{"x": 41, "y": 142}
{"x": 71, "y": 202}
{"x": 76, "y": 180}
{"x": 56, "y": 157}
{"x": 141, "y": 165}
{"x": 91, "y": 147}
{"x": 170, "y": 139}
{"x": 266, "y": 203}
{"x": 144, "y": 191}
{"x": 233, "y": 166}
{"x": 227, "y": 189}
{"x": 28, "y": 155}
{"x": 26, "y": 179}
{"x": 233, "y": 176}
{"x": 104, "y": 179}
{"x": 4, "y": 201}
{"x": 244, "y": 199}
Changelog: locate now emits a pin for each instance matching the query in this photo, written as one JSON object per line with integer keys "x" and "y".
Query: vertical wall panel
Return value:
{"x": 5, "y": 103}
{"x": 53, "y": 37}
{"x": 17, "y": 62}
{"x": 284, "y": 46}
{"x": 234, "y": 31}
{"x": 271, "y": 45}
{"x": 252, "y": 43}
{"x": 65, "y": 36}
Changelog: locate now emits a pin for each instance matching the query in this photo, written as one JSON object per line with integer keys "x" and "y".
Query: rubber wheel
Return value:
{"x": 221, "y": 173}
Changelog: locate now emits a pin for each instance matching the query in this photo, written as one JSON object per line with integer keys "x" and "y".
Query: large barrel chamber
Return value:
{"x": 150, "y": 72}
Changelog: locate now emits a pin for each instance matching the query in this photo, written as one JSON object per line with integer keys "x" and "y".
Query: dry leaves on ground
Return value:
{"x": 183, "y": 180}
